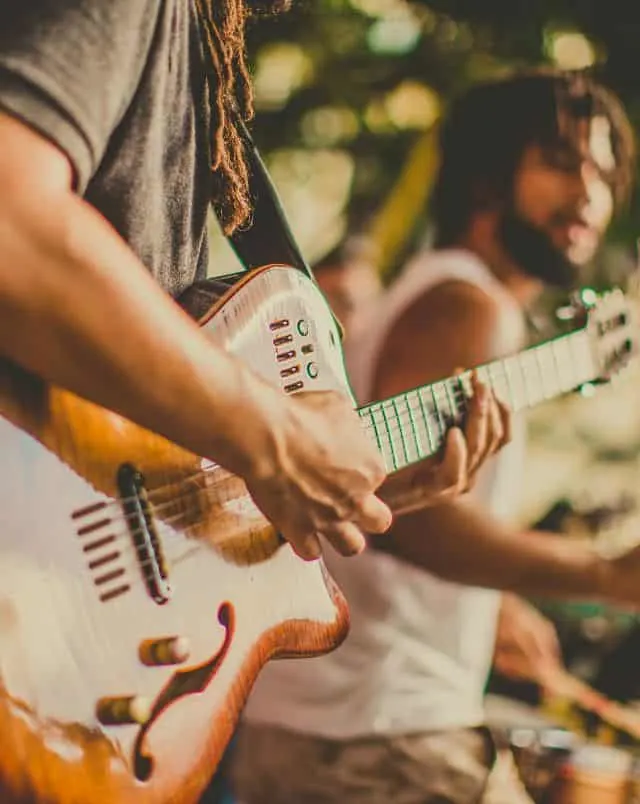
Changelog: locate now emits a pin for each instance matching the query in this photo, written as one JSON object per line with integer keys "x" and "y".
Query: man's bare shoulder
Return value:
{"x": 454, "y": 302}
{"x": 450, "y": 326}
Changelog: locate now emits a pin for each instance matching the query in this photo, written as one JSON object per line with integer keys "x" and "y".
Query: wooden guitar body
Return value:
{"x": 141, "y": 590}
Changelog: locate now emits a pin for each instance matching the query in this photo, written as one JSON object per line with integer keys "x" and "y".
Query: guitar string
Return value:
{"x": 210, "y": 491}
{"x": 396, "y": 424}
{"x": 397, "y": 420}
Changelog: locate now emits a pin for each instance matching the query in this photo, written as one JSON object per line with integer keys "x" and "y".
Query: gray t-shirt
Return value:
{"x": 119, "y": 86}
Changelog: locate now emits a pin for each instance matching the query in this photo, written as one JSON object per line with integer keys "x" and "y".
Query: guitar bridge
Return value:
{"x": 141, "y": 525}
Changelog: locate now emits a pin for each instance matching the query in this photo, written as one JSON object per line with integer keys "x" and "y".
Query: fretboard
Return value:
{"x": 412, "y": 426}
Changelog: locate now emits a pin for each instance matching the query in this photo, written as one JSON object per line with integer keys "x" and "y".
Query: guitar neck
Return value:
{"x": 413, "y": 425}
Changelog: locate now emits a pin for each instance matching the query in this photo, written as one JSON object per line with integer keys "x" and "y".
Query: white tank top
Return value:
{"x": 420, "y": 648}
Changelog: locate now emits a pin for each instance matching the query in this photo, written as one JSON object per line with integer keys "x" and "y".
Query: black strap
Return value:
{"x": 268, "y": 238}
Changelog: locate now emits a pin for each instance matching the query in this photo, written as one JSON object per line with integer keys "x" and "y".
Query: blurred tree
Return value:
{"x": 367, "y": 78}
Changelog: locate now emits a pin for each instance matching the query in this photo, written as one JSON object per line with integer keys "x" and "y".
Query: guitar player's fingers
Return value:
{"x": 477, "y": 424}
{"x": 373, "y": 515}
{"x": 495, "y": 429}
{"x": 507, "y": 423}
{"x": 346, "y": 538}
{"x": 452, "y": 470}
{"x": 306, "y": 545}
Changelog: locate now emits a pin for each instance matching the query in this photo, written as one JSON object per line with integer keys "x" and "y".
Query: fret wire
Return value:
{"x": 375, "y": 430}
{"x": 394, "y": 460}
{"x": 543, "y": 384}
{"x": 555, "y": 344}
{"x": 368, "y": 417}
{"x": 569, "y": 358}
{"x": 589, "y": 364}
{"x": 465, "y": 382}
{"x": 418, "y": 426}
{"x": 538, "y": 385}
{"x": 437, "y": 410}
{"x": 396, "y": 422}
{"x": 530, "y": 380}
{"x": 555, "y": 364}
{"x": 578, "y": 357}
{"x": 496, "y": 378}
{"x": 554, "y": 378}
{"x": 425, "y": 416}
{"x": 420, "y": 452}
{"x": 460, "y": 391}
{"x": 453, "y": 406}
{"x": 510, "y": 396}
{"x": 517, "y": 362}
{"x": 394, "y": 404}
{"x": 583, "y": 360}
{"x": 483, "y": 375}
{"x": 567, "y": 365}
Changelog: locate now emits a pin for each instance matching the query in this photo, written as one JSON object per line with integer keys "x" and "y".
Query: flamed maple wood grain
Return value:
{"x": 61, "y": 648}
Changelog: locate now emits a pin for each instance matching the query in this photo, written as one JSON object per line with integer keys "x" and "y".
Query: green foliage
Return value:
{"x": 357, "y": 54}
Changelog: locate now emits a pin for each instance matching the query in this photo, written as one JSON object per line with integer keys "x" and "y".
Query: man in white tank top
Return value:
{"x": 532, "y": 168}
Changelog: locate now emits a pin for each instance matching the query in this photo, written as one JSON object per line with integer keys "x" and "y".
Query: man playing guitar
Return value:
{"x": 107, "y": 142}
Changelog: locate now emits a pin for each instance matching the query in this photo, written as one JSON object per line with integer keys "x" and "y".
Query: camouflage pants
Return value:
{"x": 459, "y": 766}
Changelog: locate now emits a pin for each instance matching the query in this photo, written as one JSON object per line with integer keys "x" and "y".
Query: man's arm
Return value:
{"x": 462, "y": 542}
{"x": 79, "y": 309}
{"x": 527, "y": 646}
{"x": 454, "y": 325}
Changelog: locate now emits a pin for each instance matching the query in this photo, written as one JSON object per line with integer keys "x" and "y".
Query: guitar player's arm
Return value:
{"x": 461, "y": 541}
{"x": 79, "y": 309}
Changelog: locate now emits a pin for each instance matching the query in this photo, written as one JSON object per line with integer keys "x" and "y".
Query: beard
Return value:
{"x": 534, "y": 252}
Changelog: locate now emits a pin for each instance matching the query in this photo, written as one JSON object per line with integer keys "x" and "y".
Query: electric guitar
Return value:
{"x": 142, "y": 590}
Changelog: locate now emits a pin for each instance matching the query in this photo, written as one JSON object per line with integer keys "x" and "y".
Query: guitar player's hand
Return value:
{"x": 441, "y": 478}
{"x": 527, "y": 646}
{"x": 321, "y": 476}
{"x": 619, "y": 577}
{"x": 324, "y": 472}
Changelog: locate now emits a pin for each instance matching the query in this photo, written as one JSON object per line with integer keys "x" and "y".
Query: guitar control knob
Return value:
{"x": 124, "y": 710}
{"x": 166, "y": 650}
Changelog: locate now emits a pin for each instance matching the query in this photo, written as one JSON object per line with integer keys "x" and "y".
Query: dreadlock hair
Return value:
{"x": 488, "y": 128}
{"x": 231, "y": 102}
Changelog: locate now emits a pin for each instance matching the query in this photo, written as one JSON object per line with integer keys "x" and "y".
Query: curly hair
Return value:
{"x": 231, "y": 102}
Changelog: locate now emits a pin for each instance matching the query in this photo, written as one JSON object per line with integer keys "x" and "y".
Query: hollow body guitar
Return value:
{"x": 142, "y": 590}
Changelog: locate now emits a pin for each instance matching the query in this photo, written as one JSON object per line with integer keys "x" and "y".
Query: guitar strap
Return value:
{"x": 268, "y": 238}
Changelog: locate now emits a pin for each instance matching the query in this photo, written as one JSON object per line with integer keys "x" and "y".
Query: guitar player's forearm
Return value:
{"x": 464, "y": 544}
{"x": 71, "y": 312}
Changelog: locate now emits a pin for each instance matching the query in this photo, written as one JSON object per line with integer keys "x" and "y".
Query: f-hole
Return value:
{"x": 181, "y": 684}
